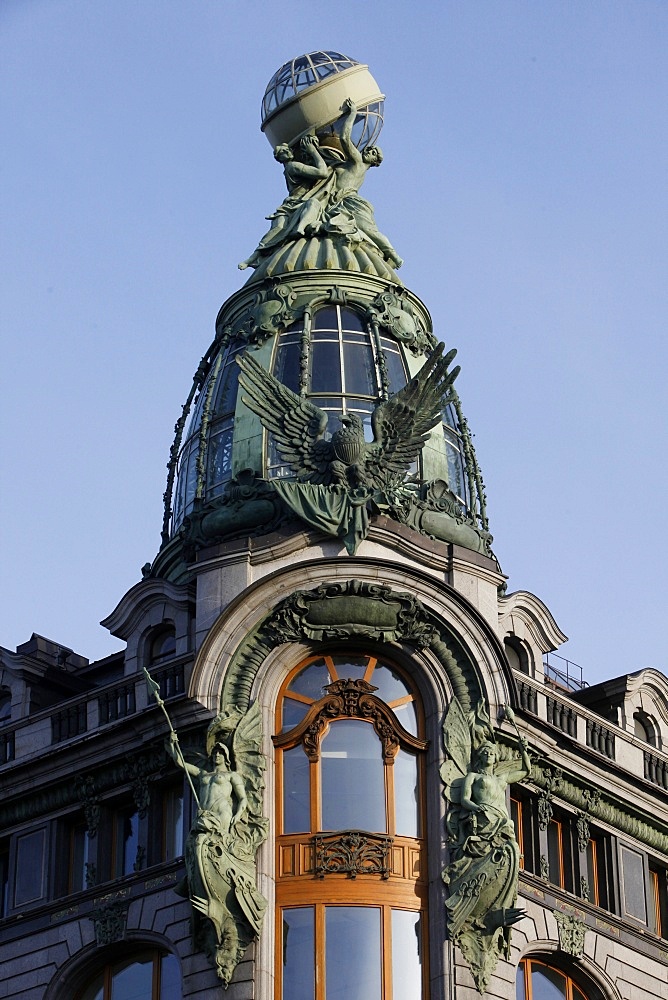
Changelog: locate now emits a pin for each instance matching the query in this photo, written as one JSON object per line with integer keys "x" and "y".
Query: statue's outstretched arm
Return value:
{"x": 349, "y": 148}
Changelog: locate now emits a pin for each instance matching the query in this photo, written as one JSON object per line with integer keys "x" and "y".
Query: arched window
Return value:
{"x": 148, "y": 975}
{"x": 538, "y": 981}
{"x": 351, "y": 881}
{"x": 644, "y": 728}
{"x": 162, "y": 644}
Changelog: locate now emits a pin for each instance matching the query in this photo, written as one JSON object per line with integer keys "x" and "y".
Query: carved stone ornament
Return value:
{"x": 482, "y": 876}
{"x": 571, "y": 933}
{"x": 226, "y": 833}
{"x": 352, "y": 609}
{"x": 394, "y": 312}
{"x": 544, "y": 868}
{"x": 553, "y": 779}
{"x": 271, "y": 312}
{"x": 584, "y": 888}
{"x": 352, "y": 853}
{"x": 110, "y": 922}
{"x": 87, "y": 794}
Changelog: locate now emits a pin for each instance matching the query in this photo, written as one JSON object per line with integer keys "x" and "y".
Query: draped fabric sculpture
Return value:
{"x": 226, "y": 833}
{"x": 483, "y": 871}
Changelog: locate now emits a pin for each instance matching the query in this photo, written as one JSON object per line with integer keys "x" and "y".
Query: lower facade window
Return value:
{"x": 337, "y": 952}
{"x": 538, "y": 981}
{"x": 351, "y": 887}
{"x": 148, "y": 975}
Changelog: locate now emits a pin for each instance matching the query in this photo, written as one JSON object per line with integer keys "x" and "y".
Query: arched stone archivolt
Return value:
{"x": 342, "y": 601}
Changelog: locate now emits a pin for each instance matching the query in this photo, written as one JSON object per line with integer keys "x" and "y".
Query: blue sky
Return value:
{"x": 524, "y": 183}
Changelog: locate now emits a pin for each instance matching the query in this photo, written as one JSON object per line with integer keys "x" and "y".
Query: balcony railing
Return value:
{"x": 563, "y": 673}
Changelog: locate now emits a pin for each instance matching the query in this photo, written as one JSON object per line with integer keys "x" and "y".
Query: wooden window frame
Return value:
{"x": 296, "y": 886}
{"x": 569, "y": 983}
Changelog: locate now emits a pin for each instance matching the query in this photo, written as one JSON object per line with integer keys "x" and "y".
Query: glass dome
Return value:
{"x": 300, "y": 74}
{"x": 305, "y": 96}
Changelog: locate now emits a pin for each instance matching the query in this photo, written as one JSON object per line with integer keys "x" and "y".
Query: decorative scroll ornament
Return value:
{"x": 352, "y": 698}
{"x": 482, "y": 876}
{"x": 352, "y": 609}
{"x": 271, "y": 312}
{"x": 227, "y": 831}
{"x": 571, "y": 933}
{"x": 394, "y": 312}
{"x": 584, "y": 818}
{"x": 352, "y": 853}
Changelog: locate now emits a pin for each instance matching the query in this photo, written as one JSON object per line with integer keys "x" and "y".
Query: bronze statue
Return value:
{"x": 483, "y": 871}
{"x": 226, "y": 833}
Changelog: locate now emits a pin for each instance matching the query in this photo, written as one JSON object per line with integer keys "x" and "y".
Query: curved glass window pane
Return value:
{"x": 351, "y": 666}
{"x": 352, "y": 941}
{"x": 133, "y": 981}
{"x": 170, "y": 978}
{"x": 406, "y": 955}
{"x": 220, "y": 455}
{"x": 296, "y": 797}
{"x": 396, "y": 373}
{"x": 547, "y": 984}
{"x": 406, "y": 795}
{"x": 326, "y": 319}
{"x": 326, "y": 367}
{"x": 407, "y": 716}
{"x": 286, "y": 365}
{"x": 359, "y": 369}
{"x": 293, "y": 713}
{"x": 353, "y": 779}
{"x": 298, "y": 954}
{"x": 311, "y": 680}
{"x": 390, "y": 685}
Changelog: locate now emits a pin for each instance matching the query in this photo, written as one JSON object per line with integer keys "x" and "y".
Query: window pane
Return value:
{"x": 407, "y": 717}
{"x": 298, "y": 954}
{"x": 296, "y": 814}
{"x": 286, "y": 367}
{"x": 520, "y": 989}
{"x": 352, "y": 321}
{"x": 390, "y": 685}
{"x": 173, "y": 824}
{"x": 79, "y": 857}
{"x": 311, "y": 681}
{"x": 351, "y": 666}
{"x": 634, "y": 884}
{"x": 293, "y": 713}
{"x": 170, "y": 978}
{"x": 134, "y": 981}
{"x": 326, "y": 319}
{"x": 127, "y": 841}
{"x": 29, "y": 868}
{"x": 547, "y": 984}
{"x": 406, "y": 794}
{"x": 352, "y": 936}
{"x": 353, "y": 778}
{"x": 554, "y": 852}
{"x": 406, "y": 955}
{"x": 395, "y": 371}
{"x": 359, "y": 369}
{"x": 326, "y": 368}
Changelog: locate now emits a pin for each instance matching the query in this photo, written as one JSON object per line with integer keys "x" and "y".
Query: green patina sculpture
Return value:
{"x": 483, "y": 872}
{"x": 225, "y": 835}
{"x": 337, "y": 477}
{"x": 323, "y": 196}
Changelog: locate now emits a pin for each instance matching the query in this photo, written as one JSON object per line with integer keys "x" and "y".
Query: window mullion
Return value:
{"x": 320, "y": 953}
{"x": 387, "y": 991}
{"x": 390, "y": 803}
{"x": 314, "y": 788}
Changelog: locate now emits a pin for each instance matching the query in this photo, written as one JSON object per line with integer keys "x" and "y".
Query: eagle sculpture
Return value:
{"x": 400, "y": 426}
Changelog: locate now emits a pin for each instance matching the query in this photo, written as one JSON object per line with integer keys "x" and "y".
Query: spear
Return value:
{"x": 153, "y": 688}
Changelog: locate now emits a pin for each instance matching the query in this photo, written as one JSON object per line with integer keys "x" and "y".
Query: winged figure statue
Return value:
{"x": 400, "y": 426}
{"x": 227, "y": 830}
{"x": 484, "y": 855}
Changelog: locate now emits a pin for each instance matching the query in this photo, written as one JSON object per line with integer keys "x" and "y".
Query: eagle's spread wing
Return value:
{"x": 297, "y": 425}
{"x": 401, "y": 425}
